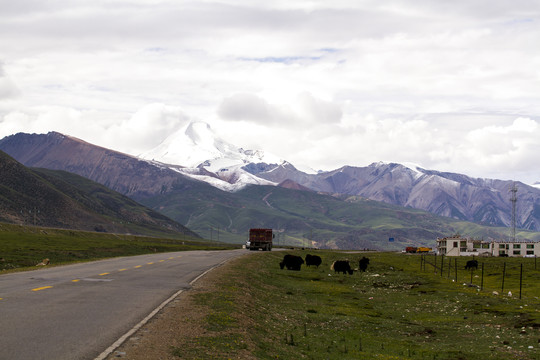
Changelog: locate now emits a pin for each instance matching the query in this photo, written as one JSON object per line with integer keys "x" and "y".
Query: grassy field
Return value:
{"x": 25, "y": 246}
{"x": 398, "y": 309}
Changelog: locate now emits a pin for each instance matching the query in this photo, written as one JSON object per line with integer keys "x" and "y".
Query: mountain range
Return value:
{"x": 218, "y": 189}
{"x": 206, "y": 157}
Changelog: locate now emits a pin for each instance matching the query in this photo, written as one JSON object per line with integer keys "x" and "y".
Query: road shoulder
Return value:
{"x": 180, "y": 324}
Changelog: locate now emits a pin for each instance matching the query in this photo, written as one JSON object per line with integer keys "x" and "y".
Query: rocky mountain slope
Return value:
{"x": 485, "y": 201}
{"x": 59, "y": 199}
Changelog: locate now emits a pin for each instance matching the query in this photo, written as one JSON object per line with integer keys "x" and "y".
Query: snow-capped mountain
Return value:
{"x": 197, "y": 152}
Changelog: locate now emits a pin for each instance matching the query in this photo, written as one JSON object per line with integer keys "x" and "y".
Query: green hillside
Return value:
{"x": 301, "y": 216}
{"x": 60, "y": 199}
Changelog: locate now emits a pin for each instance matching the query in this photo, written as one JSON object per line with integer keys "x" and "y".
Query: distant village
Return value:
{"x": 459, "y": 246}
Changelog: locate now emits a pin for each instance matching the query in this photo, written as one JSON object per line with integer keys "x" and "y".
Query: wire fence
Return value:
{"x": 491, "y": 274}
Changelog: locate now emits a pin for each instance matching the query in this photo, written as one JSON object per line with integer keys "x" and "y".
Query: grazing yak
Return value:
{"x": 471, "y": 264}
{"x": 341, "y": 266}
{"x": 363, "y": 263}
{"x": 313, "y": 260}
{"x": 291, "y": 262}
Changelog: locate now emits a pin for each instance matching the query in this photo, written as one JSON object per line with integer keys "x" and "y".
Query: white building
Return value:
{"x": 458, "y": 246}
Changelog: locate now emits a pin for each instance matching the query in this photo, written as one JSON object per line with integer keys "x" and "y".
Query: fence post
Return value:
{"x": 442, "y": 263}
{"x": 520, "y": 279}
{"x": 482, "y": 281}
{"x": 455, "y": 269}
{"x": 504, "y": 274}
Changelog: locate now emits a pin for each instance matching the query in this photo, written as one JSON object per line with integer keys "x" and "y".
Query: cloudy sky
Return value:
{"x": 448, "y": 85}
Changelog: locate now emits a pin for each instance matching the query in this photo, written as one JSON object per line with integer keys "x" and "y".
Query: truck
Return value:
{"x": 260, "y": 239}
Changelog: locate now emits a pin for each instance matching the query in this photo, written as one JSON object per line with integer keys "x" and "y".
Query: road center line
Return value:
{"x": 122, "y": 270}
{"x": 75, "y": 280}
{"x": 138, "y": 266}
{"x": 42, "y": 288}
{"x": 102, "y": 274}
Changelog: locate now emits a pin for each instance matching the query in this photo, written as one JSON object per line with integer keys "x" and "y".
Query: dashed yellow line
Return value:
{"x": 42, "y": 288}
{"x": 102, "y": 274}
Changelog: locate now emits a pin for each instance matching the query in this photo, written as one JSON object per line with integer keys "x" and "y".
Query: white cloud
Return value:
{"x": 8, "y": 90}
{"x": 447, "y": 85}
{"x": 147, "y": 128}
{"x": 306, "y": 109}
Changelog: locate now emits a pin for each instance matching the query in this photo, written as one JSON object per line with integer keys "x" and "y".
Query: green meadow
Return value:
{"x": 404, "y": 307}
{"x": 22, "y": 247}
{"x": 401, "y": 308}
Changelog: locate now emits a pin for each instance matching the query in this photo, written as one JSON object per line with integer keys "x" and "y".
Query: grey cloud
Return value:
{"x": 249, "y": 107}
{"x": 7, "y": 87}
{"x": 318, "y": 110}
{"x": 306, "y": 109}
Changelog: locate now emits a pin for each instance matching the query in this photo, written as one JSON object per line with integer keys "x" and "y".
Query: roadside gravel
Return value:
{"x": 181, "y": 324}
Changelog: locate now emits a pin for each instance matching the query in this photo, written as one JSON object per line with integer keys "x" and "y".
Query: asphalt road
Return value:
{"x": 78, "y": 311}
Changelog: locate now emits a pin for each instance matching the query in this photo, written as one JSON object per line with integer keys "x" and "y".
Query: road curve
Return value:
{"x": 78, "y": 311}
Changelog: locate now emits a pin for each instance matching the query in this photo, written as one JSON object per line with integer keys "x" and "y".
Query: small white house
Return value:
{"x": 458, "y": 246}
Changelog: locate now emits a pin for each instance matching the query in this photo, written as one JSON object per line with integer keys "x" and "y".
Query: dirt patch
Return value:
{"x": 181, "y": 329}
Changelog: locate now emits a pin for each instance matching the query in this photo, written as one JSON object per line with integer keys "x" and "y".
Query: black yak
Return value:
{"x": 363, "y": 263}
{"x": 291, "y": 262}
{"x": 313, "y": 260}
{"x": 342, "y": 266}
{"x": 471, "y": 264}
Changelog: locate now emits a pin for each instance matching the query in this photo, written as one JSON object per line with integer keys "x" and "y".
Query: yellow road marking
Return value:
{"x": 138, "y": 266}
{"x": 161, "y": 260}
{"x": 75, "y": 280}
{"x": 150, "y": 263}
{"x": 171, "y": 258}
{"x": 42, "y": 288}
{"x": 122, "y": 270}
{"x": 103, "y": 274}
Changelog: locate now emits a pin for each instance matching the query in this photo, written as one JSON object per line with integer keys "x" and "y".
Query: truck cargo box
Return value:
{"x": 260, "y": 239}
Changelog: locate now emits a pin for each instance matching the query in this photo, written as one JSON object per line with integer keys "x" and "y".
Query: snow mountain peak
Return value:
{"x": 198, "y": 152}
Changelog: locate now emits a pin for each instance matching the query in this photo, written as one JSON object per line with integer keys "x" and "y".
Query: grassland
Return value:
{"x": 25, "y": 246}
{"x": 398, "y": 309}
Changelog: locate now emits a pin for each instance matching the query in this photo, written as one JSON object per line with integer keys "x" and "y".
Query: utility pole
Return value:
{"x": 513, "y": 199}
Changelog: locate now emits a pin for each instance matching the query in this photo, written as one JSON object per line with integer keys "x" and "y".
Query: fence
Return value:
{"x": 498, "y": 273}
